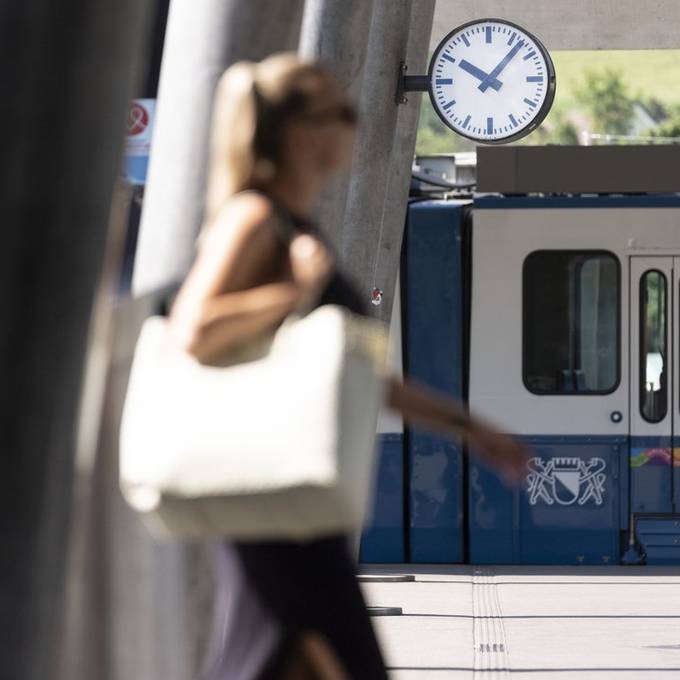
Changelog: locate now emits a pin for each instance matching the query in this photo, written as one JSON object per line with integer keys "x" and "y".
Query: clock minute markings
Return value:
{"x": 533, "y": 74}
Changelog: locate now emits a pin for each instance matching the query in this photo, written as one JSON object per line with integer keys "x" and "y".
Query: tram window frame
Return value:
{"x": 642, "y": 361}
{"x": 586, "y": 254}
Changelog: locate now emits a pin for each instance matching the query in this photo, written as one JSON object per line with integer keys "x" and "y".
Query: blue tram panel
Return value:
{"x": 434, "y": 319}
{"x": 651, "y": 471}
{"x": 565, "y": 512}
{"x": 383, "y": 538}
{"x": 418, "y": 510}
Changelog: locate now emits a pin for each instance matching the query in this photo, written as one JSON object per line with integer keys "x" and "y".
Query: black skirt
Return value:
{"x": 270, "y": 593}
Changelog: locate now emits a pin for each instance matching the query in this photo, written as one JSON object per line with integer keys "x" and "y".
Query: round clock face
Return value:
{"x": 491, "y": 81}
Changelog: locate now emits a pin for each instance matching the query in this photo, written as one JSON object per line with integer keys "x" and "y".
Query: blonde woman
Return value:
{"x": 281, "y": 129}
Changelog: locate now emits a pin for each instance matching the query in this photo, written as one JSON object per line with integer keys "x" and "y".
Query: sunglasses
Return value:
{"x": 344, "y": 113}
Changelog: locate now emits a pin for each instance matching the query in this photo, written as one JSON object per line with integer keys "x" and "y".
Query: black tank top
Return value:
{"x": 339, "y": 291}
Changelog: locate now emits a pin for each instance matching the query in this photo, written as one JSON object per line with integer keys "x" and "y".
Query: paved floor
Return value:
{"x": 529, "y": 623}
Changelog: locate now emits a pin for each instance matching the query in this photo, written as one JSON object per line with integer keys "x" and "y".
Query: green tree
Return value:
{"x": 555, "y": 129}
{"x": 670, "y": 127}
{"x": 434, "y": 136}
{"x": 606, "y": 99}
{"x": 657, "y": 109}
{"x": 564, "y": 132}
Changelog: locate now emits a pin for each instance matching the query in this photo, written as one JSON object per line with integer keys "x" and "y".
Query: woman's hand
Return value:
{"x": 437, "y": 412}
{"x": 311, "y": 267}
{"x": 504, "y": 453}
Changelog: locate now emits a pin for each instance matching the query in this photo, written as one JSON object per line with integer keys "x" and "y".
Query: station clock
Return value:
{"x": 491, "y": 81}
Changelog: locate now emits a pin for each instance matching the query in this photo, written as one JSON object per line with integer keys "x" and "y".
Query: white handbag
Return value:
{"x": 278, "y": 447}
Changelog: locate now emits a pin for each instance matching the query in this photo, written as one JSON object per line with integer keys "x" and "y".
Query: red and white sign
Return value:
{"x": 139, "y": 127}
{"x": 138, "y": 119}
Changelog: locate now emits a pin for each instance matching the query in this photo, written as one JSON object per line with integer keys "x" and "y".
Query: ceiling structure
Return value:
{"x": 574, "y": 24}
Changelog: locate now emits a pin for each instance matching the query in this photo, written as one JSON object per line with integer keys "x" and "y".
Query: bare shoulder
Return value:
{"x": 246, "y": 217}
{"x": 238, "y": 248}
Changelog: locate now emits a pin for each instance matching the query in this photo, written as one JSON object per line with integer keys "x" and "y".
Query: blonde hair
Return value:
{"x": 253, "y": 102}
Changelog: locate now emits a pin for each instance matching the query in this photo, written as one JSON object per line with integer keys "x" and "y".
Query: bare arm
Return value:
{"x": 230, "y": 319}
{"x": 223, "y": 302}
{"x": 434, "y": 411}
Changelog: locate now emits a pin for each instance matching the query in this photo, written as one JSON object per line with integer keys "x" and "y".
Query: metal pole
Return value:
{"x": 335, "y": 32}
{"x": 378, "y": 192}
{"x": 203, "y": 38}
{"x": 67, "y": 72}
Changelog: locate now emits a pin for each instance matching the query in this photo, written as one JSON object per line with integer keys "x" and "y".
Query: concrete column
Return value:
{"x": 203, "y": 38}
{"x": 378, "y": 192}
{"x": 67, "y": 71}
{"x": 335, "y": 32}
{"x": 160, "y": 595}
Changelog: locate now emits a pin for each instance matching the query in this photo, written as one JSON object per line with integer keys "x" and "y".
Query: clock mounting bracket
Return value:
{"x": 481, "y": 111}
{"x": 406, "y": 83}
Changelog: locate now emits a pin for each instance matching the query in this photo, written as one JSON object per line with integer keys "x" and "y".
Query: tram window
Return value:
{"x": 653, "y": 346}
{"x": 571, "y": 322}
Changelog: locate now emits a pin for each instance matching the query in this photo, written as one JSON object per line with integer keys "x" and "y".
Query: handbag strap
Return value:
{"x": 286, "y": 226}
{"x": 164, "y": 298}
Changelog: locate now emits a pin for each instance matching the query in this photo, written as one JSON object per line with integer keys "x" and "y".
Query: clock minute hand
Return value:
{"x": 479, "y": 74}
{"x": 486, "y": 83}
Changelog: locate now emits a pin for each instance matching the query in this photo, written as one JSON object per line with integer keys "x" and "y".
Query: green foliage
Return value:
{"x": 649, "y": 74}
{"x": 657, "y": 109}
{"x": 555, "y": 129}
{"x": 564, "y": 132}
{"x": 434, "y": 137}
{"x": 605, "y": 97}
{"x": 671, "y": 126}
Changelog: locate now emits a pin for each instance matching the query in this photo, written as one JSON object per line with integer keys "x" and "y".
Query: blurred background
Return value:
{"x": 105, "y": 117}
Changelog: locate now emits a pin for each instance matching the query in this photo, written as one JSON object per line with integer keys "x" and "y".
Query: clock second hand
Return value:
{"x": 479, "y": 74}
{"x": 486, "y": 83}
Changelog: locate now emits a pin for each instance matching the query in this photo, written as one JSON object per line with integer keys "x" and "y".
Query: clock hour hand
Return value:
{"x": 479, "y": 74}
{"x": 486, "y": 83}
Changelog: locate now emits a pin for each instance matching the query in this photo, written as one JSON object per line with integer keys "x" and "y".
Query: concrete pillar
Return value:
{"x": 378, "y": 192}
{"x": 335, "y": 32}
{"x": 160, "y": 595}
{"x": 67, "y": 71}
{"x": 202, "y": 39}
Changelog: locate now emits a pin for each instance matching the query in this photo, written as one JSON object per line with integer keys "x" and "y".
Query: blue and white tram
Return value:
{"x": 557, "y": 318}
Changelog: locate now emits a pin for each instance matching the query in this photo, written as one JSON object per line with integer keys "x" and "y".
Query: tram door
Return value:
{"x": 654, "y": 384}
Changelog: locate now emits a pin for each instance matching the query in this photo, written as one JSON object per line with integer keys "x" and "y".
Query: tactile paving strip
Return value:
{"x": 490, "y": 658}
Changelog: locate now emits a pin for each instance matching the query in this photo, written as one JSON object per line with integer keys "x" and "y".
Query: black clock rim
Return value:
{"x": 549, "y": 95}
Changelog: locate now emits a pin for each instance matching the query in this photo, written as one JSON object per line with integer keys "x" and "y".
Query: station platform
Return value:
{"x": 527, "y": 623}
